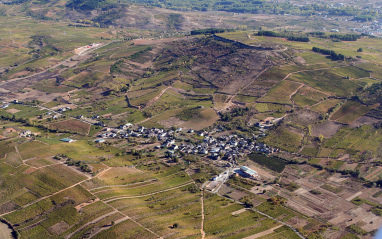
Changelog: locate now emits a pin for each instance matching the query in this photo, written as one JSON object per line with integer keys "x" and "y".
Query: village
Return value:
{"x": 226, "y": 147}
{"x": 223, "y": 149}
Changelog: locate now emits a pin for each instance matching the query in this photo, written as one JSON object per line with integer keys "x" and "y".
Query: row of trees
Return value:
{"x": 286, "y": 35}
{"x": 346, "y": 37}
{"x": 210, "y": 31}
{"x": 333, "y": 55}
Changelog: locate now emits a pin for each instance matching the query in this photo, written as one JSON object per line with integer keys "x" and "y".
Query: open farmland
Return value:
{"x": 162, "y": 117}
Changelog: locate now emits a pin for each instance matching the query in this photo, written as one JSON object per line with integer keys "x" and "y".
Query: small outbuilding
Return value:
{"x": 67, "y": 140}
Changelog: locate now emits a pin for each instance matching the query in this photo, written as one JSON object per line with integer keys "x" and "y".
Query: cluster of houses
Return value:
{"x": 63, "y": 109}
{"x": 226, "y": 147}
{"x": 375, "y": 28}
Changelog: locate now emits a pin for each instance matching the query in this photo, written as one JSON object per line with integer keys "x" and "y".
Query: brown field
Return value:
{"x": 71, "y": 125}
{"x": 327, "y": 129}
{"x": 13, "y": 111}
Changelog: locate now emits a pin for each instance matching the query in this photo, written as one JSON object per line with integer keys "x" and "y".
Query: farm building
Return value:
{"x": 249, "y": 172}
{"x": 67, "y": 140}
{"x": 100, "y": 140}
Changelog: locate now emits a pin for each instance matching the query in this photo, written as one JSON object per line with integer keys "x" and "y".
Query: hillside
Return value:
{"x": 131, "y": 119}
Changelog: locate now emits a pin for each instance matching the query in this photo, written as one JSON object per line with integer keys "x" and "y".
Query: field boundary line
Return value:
{"x": 92, "y": 222}
{"x": 108, "y": 200}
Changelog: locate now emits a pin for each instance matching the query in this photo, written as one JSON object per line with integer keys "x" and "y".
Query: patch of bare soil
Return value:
{"x": 303, "y": 117}
{"x": 364, "y": 120}
{"x": 79, "y": 207}
{"x": 70, "y": 63}
{"x": 7, "y": 207}
{"x": 206, "y": 118}
{"x": 299, "y": 60}
{"x": 297, "y": 222}
{"x": 59, "y": 228}
{"x": 327, "y": 129}
{"x": 237, "y": 195}
{"x": 349, "y": 166}
{"x": 13, "y": 111}
{"x": 172, "y": 121}
{"x": 37, "y": 95}
{"x": 30, "y": 170}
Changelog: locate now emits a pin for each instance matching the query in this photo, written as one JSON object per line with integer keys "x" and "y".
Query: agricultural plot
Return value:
{"x": 133, "y": 190}
{"x": 367, "y": 82}
{"x": 327, "y": 81}
{"x": 278, "y": 73}
{"x": 281, "y": 93}
{"x": 325, "y": 106}
{"x": 310, "y": 150}
{"x": 24, "y": 186}
{"x": 72, "y": 125}
{"x": 361, "y": 110}
{"x": 78, "y": 150}
{"x": 375, "y": 70}
{"x": 122, "y": 176}
{"x": 355, "y": 141}
{"x": 314, "y": 58}
{"x": 159, "y": 212}
{"x": 23, "y": 111}
{"x": 51, "y": 86}
{"x": 125, "y": 229}
{"x": 273, "y": 163}
{"x": 245, "y": 98}
{"x": 204, "y": 119}
{"x": 348, "y": 107}
{"x": 350, "y": 72}
{"x": 220, "y": 221}
{"x": 271, "y": 107}
{"x": 64, "y": 220}
{"x": 307, "y": 96}
{"x": 284, "y": 139}
{"x": 56, "y": 45}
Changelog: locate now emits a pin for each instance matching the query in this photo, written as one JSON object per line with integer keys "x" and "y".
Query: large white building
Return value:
{"x": 250, "y": 172}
